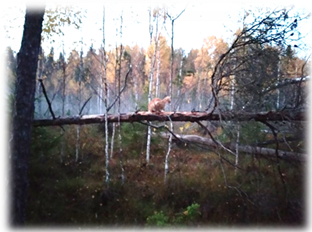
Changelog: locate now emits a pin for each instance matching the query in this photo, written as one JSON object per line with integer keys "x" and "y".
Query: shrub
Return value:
{"x": 185, "y": 217}
{"x": 158, "y": 219}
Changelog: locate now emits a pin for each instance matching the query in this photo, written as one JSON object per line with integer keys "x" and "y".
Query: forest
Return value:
{"x": 228, "y": 150}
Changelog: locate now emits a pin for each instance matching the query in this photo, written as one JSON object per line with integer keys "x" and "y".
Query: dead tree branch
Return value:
{"x": 174, "y": 116}
{"x": 46, "y": 97}
{"x": 267, "y": 152}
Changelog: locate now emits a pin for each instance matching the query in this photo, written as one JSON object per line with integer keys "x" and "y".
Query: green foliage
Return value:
{"x": 185, "y": 217}
{"x": 44, "y": 138}
{"x": 158, "y": 219}
{"x": 188, "y": 216}
{"x": 178, "y": 81}
{"x": 192, "y": 211}
{"x": 252, "y": 132}
{"x": 75, "y": 194}
{"x": 142, "y": 104}
{"x": 133, "y": 137}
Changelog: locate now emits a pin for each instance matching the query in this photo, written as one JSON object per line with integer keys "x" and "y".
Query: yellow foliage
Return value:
{"x": 187, "y": 125}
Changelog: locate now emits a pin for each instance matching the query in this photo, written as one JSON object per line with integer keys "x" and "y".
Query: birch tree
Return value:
{"x": 79, "y": 104}
{"x": 170, "y": 90}
{"x": 119, "y": 103}
{"x": 105, "y": 84}
{"x": 172, "y": 19}
{"x": 151, "y": 74}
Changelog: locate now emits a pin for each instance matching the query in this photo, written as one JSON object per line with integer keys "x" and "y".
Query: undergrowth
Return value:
{"x": 200, "y": 190}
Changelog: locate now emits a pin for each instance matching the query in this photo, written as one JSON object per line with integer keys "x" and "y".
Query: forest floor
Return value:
{"x": 199, "y": 190}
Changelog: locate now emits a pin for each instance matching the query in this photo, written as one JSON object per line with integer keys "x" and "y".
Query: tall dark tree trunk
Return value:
{"x": 27, "y": 62}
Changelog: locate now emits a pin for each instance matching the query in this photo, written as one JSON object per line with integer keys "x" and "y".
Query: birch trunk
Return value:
{"x": 112, "y": 141}
{"x": 150, "y": 86}
{"x": 119, "y": 103}
{"x": 278, "y": 81}
{"x": 79, "y": 105}
{"x": 136, "y": 92}
{"x": 180, "y": 83}
{"x": 168, "y": 153}
{"x": 157, "y": 74}
{"x": 104, "y": 82}
{"x": 232, "y": 92}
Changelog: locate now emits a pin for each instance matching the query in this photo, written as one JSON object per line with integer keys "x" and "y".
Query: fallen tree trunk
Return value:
{"x": 173, "y": 116}
{"x": 269, "y": 152}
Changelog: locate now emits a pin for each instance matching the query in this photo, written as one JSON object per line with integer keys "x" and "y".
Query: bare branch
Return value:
{"x": 120, "y": 92}
{"x": 46, "y": 97}
{"x": 174, "y": 116}
{"x": 80, "y": 112}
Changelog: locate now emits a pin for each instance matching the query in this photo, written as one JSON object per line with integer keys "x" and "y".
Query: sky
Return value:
{"x": 199, "y": 20}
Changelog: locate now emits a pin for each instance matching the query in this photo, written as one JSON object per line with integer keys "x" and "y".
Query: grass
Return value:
{"x": 75, "y": 193}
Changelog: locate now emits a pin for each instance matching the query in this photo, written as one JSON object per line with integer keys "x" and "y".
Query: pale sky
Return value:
{"x": 200, "y": 20}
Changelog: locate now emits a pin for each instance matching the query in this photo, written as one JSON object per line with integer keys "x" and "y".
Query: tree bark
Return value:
{"x": 174, "y": 116}
{"x": 150, "y": 84}
{"x": 268, "y": 152}
{"x": 24, "y": 113}
{"x": 104, "y": 81}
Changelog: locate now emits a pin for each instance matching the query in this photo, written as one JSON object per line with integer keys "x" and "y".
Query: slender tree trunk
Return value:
{"x": 168, "y": 153}
{"x": 27, "y": 62}
{"x": 119, "y": 104}
{"x": 171, "y": 64}
{"x": 232, "y": 93}
{"x": 112, "y": 140}
{"x": 136, "y": 94}
{"x": 77, "y": 142}
{"x": 199, "y": 91}
{"x": 104, "y": 79}
{"x": 278, "y": 80}
{"x": 237, "y": 147}
{"x": 180, "y": 83}
{"x": 148, "y": 143}
{"x": 149, "y": 129}
{"x": 170, "y": 105}
{"x": 63, "y": 103}
{"x": 157, "y": 74}
{"x": 172, "y": 53}
{"x": 64, "y": 83}
{"x": 79, "y": 106}
{"x": 150, "y": 25}
{"x": 40, "y": 69}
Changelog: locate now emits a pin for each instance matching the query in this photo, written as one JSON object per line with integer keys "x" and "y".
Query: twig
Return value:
{"x": 49, "y": 104}
{"x": 120, "y": 92}
{"x": 80, "y": 112}
{"x": 46, "y": 97}
{"x": 276, "y": 152}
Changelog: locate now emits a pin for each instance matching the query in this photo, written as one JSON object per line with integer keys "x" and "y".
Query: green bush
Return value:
{"x": 158, "y": 219}
{"x": 185, "y": 217}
